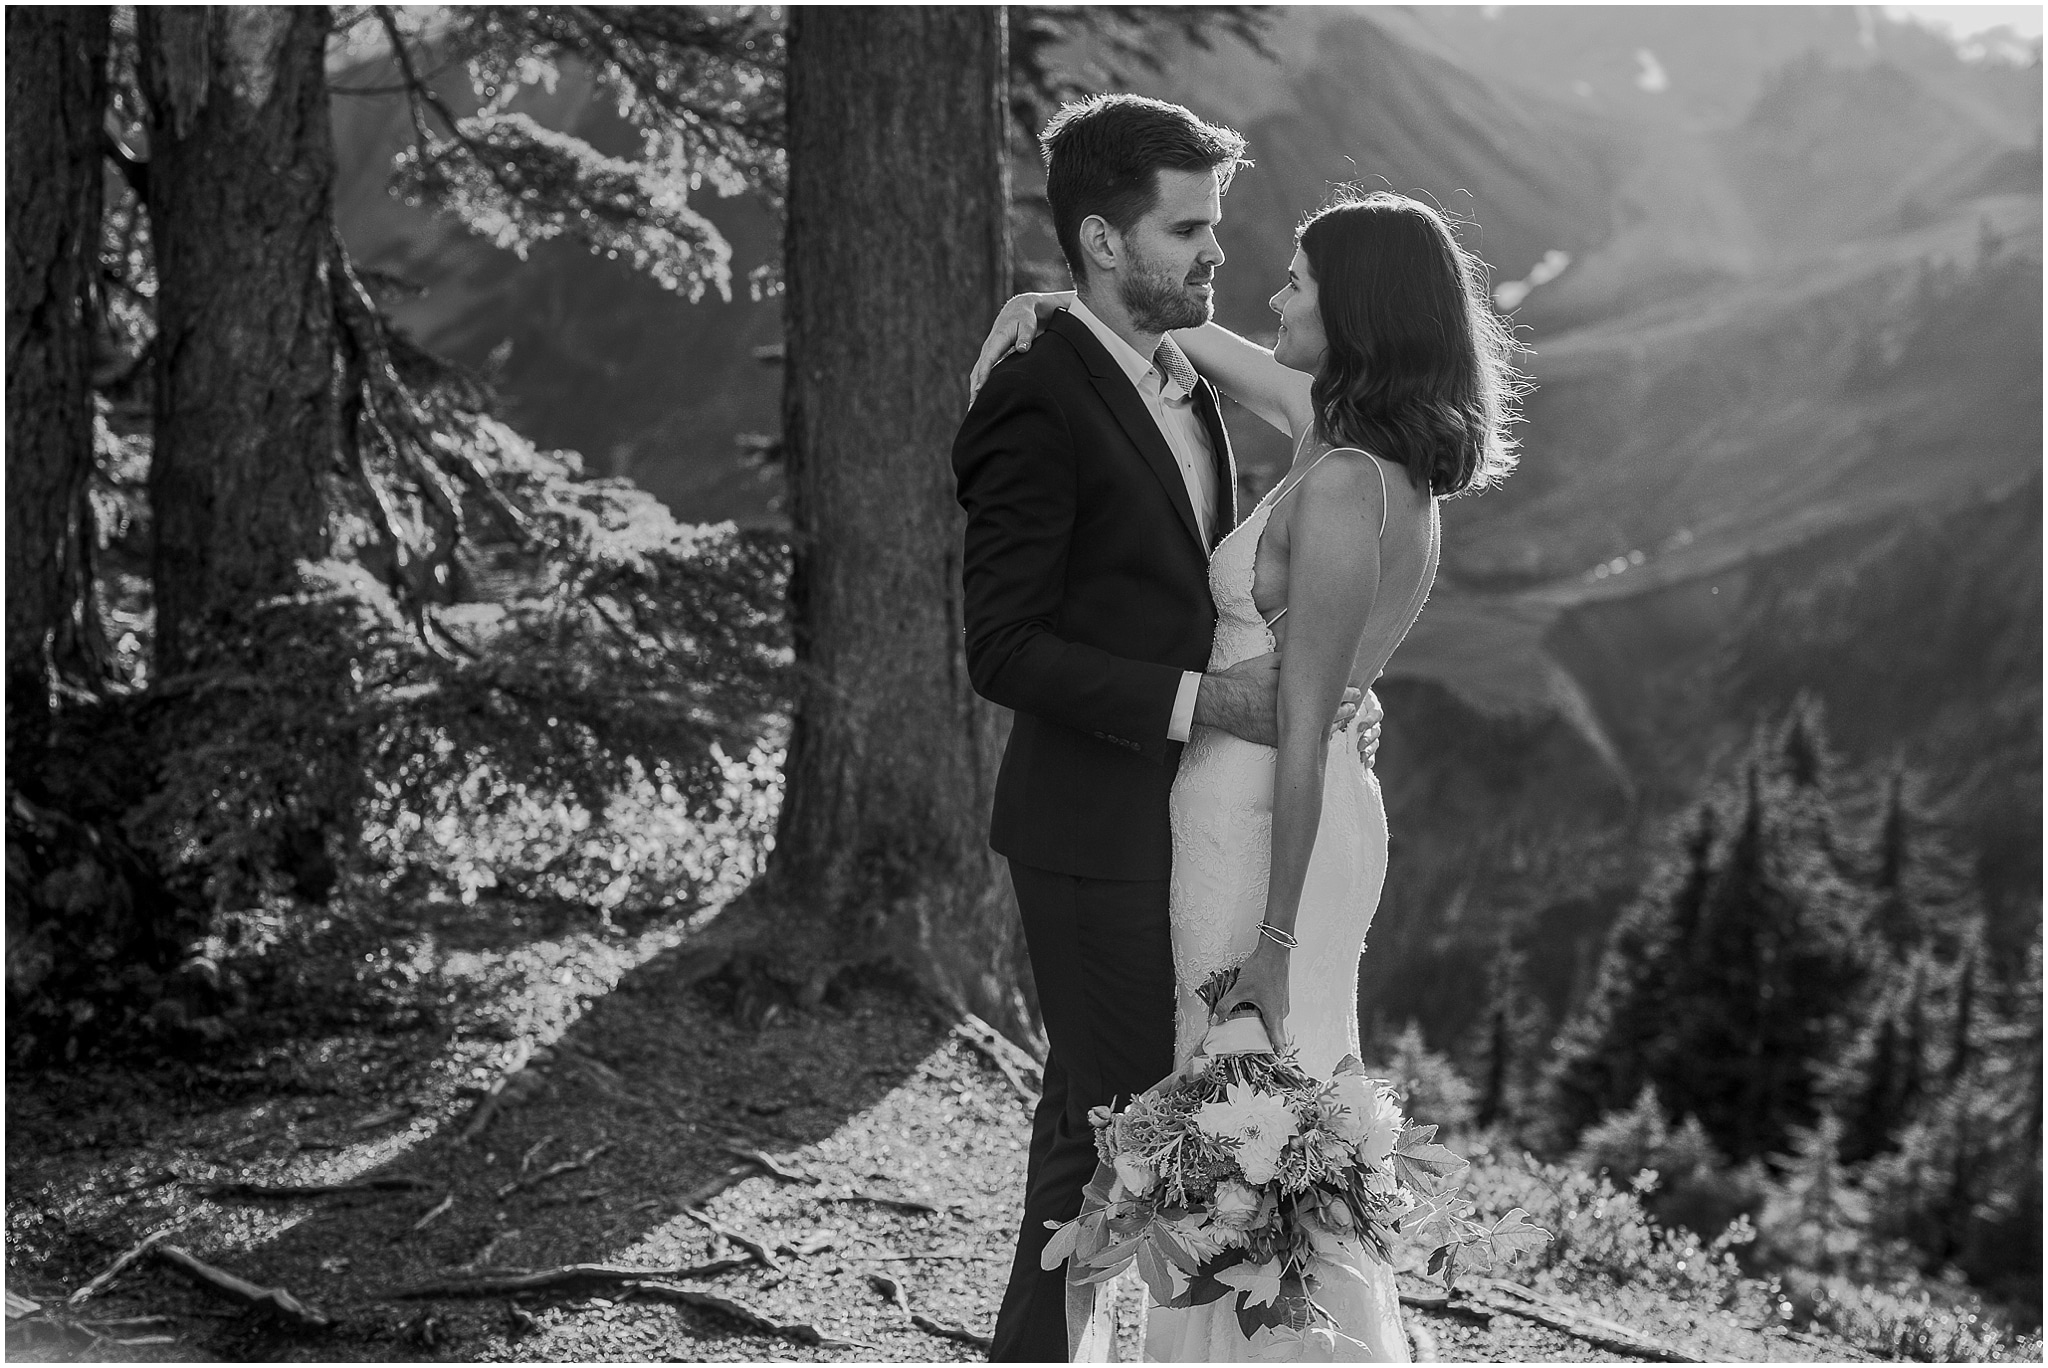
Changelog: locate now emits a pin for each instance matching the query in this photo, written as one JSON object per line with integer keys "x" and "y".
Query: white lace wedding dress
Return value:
{"x": 1222, "y": 813}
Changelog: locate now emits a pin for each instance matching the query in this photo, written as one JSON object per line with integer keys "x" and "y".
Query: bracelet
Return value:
{"x": 1278, "y": 937}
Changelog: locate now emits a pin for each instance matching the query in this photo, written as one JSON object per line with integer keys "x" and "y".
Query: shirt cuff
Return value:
{"x": 1183, "y": 719}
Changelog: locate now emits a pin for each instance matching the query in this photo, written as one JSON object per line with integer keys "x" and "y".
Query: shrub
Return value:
{"x": 1694, "y": 1187}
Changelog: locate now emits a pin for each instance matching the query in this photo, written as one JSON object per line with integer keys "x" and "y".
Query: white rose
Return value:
{"x": 1134, "y": 1174}
{"x": 1236, "y": 1205}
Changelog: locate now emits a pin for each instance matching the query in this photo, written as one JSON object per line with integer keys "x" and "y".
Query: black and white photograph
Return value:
{"x": 1039, "y": 684}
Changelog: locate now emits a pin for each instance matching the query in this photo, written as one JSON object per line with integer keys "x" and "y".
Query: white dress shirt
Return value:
{"x": 1173, "y": 409}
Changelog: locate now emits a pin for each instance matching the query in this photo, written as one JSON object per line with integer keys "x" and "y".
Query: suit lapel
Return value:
{"x": 1226, "y": 460}
{"x": 1122, "y": 398}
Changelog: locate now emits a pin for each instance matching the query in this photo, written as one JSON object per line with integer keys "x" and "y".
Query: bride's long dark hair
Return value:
{"x": 1419, "y": 368}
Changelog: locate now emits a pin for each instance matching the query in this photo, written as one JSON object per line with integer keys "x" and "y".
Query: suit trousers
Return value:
{"x": 1102, "y": 958}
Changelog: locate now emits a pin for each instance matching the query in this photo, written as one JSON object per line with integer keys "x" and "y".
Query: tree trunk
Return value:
{"x": 240, "y": 190}
{"x": 897, "y": 257}
{"x": 56, "y": 92}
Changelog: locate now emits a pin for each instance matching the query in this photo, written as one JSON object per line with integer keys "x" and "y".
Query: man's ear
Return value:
{"x": 1101, "y": 244}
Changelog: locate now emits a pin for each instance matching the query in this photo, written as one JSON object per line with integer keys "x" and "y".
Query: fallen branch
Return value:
{"x": 999, "y": 1051}
{"x": 1595, "y": 1330}
{"x": 748, "y": 1316}
{"x": 492, "y": 1101}
{"x": 381, "y": 1118}
{"x": 526, "y": 1159}
{"x": 440, "y": 1209}
{"x": 817, "y": 1242}
{"x": 287, "y": 1190}
{"x": 1422, "y": 1344}
{"x": 747, "y": 1242}
{"x": 951, "y": 1332}
{"x": 731, "y": 1178}
{"x": 1449, "y": 1305}
{"x": 123, "y": 1322}
{"x": 274, "y": 1300}
{"x": 566, "y": 1166}
{"x": 773, "y": 1167}
{"x": 112, "y": 1270}
{"x": 861, "y": 1195}
{"x": 893, "y": 1289}
{"x": 568, "y": 1277}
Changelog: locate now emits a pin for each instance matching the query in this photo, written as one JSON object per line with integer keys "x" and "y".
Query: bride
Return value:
{"x": 1393, "y": 377}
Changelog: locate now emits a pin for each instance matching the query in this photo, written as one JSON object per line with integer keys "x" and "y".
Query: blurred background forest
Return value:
{"x": 1713, "y": 766}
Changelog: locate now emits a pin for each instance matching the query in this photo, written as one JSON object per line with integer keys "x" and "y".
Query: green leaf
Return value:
{"x": 1260, "y": 1283}
{"x": 1165, "y": 1282}
{"x": 1435, "y": 1219}
{"x": 1425, "y": 1166}
{"x": 1175, "y": 1248}
{"x": 1515, "y": 1235}
{"x": 1060, "y": 1247}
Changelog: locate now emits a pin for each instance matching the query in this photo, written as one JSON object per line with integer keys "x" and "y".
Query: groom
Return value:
{"x": 1097, "y": 477}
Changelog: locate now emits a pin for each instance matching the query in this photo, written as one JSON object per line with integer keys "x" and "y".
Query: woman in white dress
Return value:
{"x": 1393, "y": 377}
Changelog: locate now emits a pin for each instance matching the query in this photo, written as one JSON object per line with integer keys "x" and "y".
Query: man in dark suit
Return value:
{"x": 1097, "y": 477}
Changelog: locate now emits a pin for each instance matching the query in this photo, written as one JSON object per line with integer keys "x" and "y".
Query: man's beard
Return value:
{"x": 1158, "y": 301}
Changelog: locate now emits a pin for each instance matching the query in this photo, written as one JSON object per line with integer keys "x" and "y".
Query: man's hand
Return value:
{"x": 1369, "y": 729}
{"x": 1244, "y": 701}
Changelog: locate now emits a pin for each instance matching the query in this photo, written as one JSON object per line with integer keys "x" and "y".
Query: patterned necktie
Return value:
{"x": 1173, "y": 364}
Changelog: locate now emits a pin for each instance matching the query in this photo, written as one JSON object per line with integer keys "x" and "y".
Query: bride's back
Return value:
{"x": 1410, "y": 543}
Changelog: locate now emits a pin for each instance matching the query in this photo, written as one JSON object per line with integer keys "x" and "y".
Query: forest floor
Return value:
{"x": 841, "y": 1185}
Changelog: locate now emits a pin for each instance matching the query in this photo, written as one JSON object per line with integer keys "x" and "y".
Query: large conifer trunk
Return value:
{"x": 240, "y": 185}
{"x": 897, "y": 257}
{"x": 56, "y": 91}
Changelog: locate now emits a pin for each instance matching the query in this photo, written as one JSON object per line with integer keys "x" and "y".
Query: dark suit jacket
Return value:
{"x": 1087, "y": 595}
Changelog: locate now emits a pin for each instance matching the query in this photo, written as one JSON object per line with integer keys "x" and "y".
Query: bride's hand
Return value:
{"x": 1261, "y": 985}
{"x": 1013, "y": 330}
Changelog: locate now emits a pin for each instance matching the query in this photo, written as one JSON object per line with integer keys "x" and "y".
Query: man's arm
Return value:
{"x": 1014, "y": 462}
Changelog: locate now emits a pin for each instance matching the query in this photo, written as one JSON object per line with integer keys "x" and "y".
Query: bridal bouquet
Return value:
{"x": 1243, "y": 1175}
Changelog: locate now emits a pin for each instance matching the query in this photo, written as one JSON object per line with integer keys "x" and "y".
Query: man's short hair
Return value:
{"x": 1101, "y": 154}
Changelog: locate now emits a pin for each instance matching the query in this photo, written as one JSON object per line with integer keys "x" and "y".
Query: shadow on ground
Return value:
{"x": 640, "y": 1081}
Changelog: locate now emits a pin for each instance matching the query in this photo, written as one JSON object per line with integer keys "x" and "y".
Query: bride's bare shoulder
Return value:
{"x": 1345, "y": 474}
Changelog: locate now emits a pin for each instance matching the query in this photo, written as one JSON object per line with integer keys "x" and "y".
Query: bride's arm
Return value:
{"x": 1016, "y": 324}
{"x": 1247, "y": 372}
{"x": 1241, "y": 368}
{"x": 1333, "y": 575}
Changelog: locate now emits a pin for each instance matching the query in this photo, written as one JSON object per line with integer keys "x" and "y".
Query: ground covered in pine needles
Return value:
{"x": 839, "y": 1186}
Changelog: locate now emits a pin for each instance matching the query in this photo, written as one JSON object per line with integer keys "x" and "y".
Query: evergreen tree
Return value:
{"x": 1432, "y": 1091}
{"x": 1613, "y": 1045}
{"x": 1895, "y": 915}
{"x": 1962, "y": 1048}
{"x": 1731, "y": 985}
{"x": 240, "y": 206}
{"x": 56, "y": 88}
{"x": 1509, "y": 1038}
{"x": 1761, "y": 1005}
{"x": 1816, "y": 1215}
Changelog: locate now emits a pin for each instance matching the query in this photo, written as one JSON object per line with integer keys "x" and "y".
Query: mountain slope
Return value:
{"x": 1790, "y": 370}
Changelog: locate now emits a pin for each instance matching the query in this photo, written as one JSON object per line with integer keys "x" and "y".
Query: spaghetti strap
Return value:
{"x": 1377, "y": 464}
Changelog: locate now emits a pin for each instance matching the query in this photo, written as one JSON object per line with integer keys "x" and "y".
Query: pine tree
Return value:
{"x": 1510, "y": 1038}
{"x": 1613, "y": 1045}
{"x": 56, "y": 88}
{"x": 1760, "y": 1007}
{"x": 1962, "y": 1050}
{"x": 1816, "y": 1216}
{"x": 1895, "y": 916}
